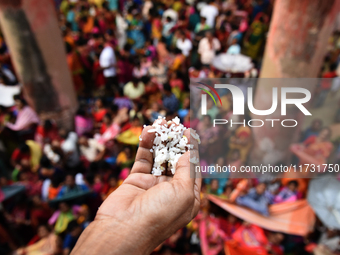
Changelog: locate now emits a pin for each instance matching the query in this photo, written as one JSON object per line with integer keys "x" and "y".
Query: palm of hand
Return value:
{"x": 162, "y": 203}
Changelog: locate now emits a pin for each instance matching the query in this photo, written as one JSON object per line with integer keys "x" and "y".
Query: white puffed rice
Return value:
{"x": 169, "y": 145}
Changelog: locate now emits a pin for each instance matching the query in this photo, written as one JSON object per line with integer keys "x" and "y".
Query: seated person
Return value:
{"x": 288, "y": 194}
{"x": 62, "y": 217}
{"x": 27, "y": 119}
{"x": 47, "y": 244}
{"x": 213, "y": 187}
{"x": 170, "y": 101}
{"x": 73, "y": 232}
{"x": 111, "y": 186}
{"x": 255, "y": 199}
{"x": 71, "y": 186}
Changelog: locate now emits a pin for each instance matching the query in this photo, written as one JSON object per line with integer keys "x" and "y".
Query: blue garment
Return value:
{"x": 182, "y": 113}
{"x": 308, "y": 133}
{"x": 76, "y": 189}
{"x": 113, "y": 5}
{"x": 71, "y": 18}
{"x": 254, "y": 201}
{"x": 136, "y": 34}
{"x": 69, "y": 242}
{"x": 170, "y": 102}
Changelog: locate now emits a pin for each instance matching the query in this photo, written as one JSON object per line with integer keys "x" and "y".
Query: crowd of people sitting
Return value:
{"x": 131, "y": 61}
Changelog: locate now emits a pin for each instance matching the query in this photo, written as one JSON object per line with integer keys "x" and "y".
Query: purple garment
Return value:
{"x": 123, "y": 102}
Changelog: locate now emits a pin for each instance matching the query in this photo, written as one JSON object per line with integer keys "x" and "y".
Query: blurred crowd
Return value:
{"x": 131, "y": 61}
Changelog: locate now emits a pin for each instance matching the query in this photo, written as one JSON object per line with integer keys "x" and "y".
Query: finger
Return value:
{"x": 185, "y": 169}
{"x": 144, "y": 158}
{"x": 145, "y": 181}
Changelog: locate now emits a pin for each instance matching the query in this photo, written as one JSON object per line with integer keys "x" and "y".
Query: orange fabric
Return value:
{"x": 250, "y": 236}
{"x": 53, "y": 192}
{"x": 296, "y": 218}
{"x": 233, "y": 248}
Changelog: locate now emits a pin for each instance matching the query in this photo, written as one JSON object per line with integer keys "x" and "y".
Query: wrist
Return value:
{"x": 111, "y": 237}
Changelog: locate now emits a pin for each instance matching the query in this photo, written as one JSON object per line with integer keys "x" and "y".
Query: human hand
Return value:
{"x": 146, "y": 209}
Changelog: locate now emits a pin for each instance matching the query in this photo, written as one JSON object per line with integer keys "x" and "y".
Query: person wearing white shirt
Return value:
{"x": 107, "y": 61}
{"x": 184, "y": 44}
{"x": 207, "y": 48}
{"x": 210, "y": 12}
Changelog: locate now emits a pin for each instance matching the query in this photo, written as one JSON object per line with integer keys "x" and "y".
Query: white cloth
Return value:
{"x": 121, "y": 25}
{"x": 170, "y": 13}
{"x": 185, "y": 46}
{"x": 90, "y": 152}
{"x": 44, "y": 189}
{"x": 7, "y": 93}
{"x": 79, "y": 179}
{"x": 69, "y": 146}
{"x": 209, "y": 12}
{"x": 108, "y": 58}
{"x": 206, "y": 51}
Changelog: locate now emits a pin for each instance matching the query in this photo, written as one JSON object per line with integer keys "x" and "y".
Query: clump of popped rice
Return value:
{"x": 169, "y": 145}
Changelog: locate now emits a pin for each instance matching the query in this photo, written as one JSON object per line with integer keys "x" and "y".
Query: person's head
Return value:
{"x": 136, "y": 121}
{"x": 186, "y": 103}
{"x": 181, "y": 35}
{"x": 63, "y": 133}
{"x": 137, "y": 63}
{"x": 333, "y": 67}
{"x": 155, "y": 61}
{"x": 275, "y": 238}
{"x": 135, "y": 82}
{"x": 214, "y": 185}
{"x": 109, "y": 35}
{"x": 228, "y": 189}
{"x": 209, "y": 35}
{"x": 232, "y": 219}
{"x": 203, "y": 20}
{"x": 64, "y": 207}
{"x": 234, "y": 41}
{"x": 210, "y": 103}
{"x": 48, "y": 125}
{"x": 43, "y": 231}
{"x": 24, "y": 148}
{"x": 220, "y": 161}
{"x": 167, "y": 89}
{"x": 293, "y": 185}
{"x": 107, "y": 119}
{"x": 113, "y": 181}
{"x": 168, "y": 19}
{"x": 99, "y": 103}
{"x": 55, "y": 145}
{"x": 19, "y": 102}
{"x": 325, "y": 134}
{"x": 235, "y": 155}
{"x": 316, "y": 125}
{"x": 113, "y": 110}
{"x": 83, "y": 141}
{"x": 155, "y": 107}
{"x": 36, "y": 200}
{"x": 70, "y": 180}
{"x": 207, "y": 120}
{"x": 23, "y": 176}
{"x": 128, "y": 151}
{"x": 74, "y": 229}
{"x": 261, "y": 188}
